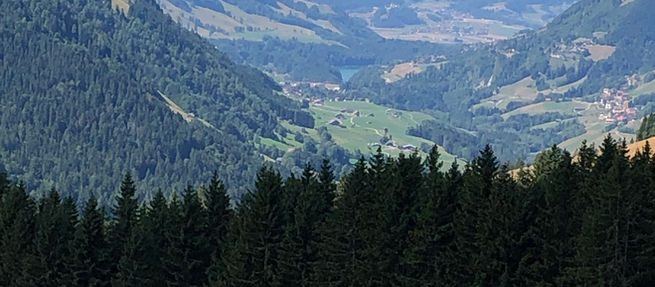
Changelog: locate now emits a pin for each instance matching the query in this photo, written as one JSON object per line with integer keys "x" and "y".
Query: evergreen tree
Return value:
{"x": 4, "y": 184}
{"x": 342, "y": 256}
{"x": 258, "y": 235}
{"x": 133, "y": 264}
{"x": 125, "y": 219}
{"x": 174, "y": 261}
{"x": 399, "y": 214}
{"x": 499, "y": 233}
{"x": 647, "y": 127}
{"x": 188, "y": 254}
{"x": 554, "y": 226}
{"x": 472, "y": 206}
{"x": 18, "y": 257}
{"x": 601, "y": 257}
{"x": 432, "y": 239}
{"x": 91, "y": 256}
{"x": 327, "y": 187}
{"x": 219, "y": 212}
{"x": 641, "y": 244}
{"x": 378, "y": 217}
{"x": 157, "y": 225}
{"x": 55, "y": 231}
{"x": 300, "y": 247}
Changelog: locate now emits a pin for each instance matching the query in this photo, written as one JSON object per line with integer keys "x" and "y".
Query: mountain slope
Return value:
{"x": 80, "y": 98}
{"x": 503, "y": 92}
{"x": 295, "y": 40}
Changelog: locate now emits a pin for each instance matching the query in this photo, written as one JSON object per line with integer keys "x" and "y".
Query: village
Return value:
{"x": 616, "y": 104}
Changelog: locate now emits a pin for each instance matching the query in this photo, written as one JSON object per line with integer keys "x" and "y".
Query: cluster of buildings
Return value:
{"x": 616, "y": 104}
{"x": 298, "y": 89}
{"x": 392, "y": 143}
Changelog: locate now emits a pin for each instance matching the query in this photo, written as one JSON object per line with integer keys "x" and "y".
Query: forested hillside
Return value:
{"x": 390, "y": 222}
{"x": 537, "y": 89}
{"x": 88, "y": 92}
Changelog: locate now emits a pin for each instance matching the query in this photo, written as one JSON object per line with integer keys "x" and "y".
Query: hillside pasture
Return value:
{"x": 565, "y": 108}
{"x": 521, "y": 91}
{"x": 644, "y": 89}
{"x": 399, "y": 71}
{"x": 236, "y": 23}
{"x": 362, "y": 132}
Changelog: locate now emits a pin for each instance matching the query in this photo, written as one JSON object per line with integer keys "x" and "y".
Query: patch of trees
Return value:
{"x": 395, "y": 17}
{"x": 400, "y": 221}
{"x": 647, "y": 128}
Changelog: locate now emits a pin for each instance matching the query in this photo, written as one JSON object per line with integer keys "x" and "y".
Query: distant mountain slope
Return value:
{"x": 295, "y": 40}
{"x": 80, "y": 100}
{"x": 529, "y": 13}
{"x": 555, "y": 75}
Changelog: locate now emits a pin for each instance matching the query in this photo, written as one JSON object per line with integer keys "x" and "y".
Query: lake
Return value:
{"x": 347, "y": 72}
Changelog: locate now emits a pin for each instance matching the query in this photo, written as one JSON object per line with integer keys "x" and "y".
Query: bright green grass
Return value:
{"x": 274, "y": 143}
{"x": 545, "y": 125}
{"x": 359, "y": 132}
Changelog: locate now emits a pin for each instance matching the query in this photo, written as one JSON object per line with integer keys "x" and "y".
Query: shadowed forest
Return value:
{"x": 569, "y": 220}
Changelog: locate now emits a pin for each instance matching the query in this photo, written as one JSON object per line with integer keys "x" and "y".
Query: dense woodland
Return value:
{"x": 587, "y": 220}
{"x": 80, "y": 88}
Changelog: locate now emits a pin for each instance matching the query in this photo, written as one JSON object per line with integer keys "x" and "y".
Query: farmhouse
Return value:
{"x": 335, "y": 122}
{"x": 408, "y": 147}
{"x": 390, "y": 143}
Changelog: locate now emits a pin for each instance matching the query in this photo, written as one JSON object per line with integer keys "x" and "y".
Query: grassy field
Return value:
{"x": 359, "y": 132}
{"x": 594, "y": 135}
{"x": 644, "y": 89}
{"x": 235, "y": 19}
{"x": 399, "y": 72}
{"x": 566, "y": 88}
{"x": 546, "y": 125}
{"x": 565, "y": 108}
{"x": 521, "y": 91}
{"x": 286, "y": 10}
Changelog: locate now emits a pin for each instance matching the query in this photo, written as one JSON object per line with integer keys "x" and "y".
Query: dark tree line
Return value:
{"x": 584, "y": 220}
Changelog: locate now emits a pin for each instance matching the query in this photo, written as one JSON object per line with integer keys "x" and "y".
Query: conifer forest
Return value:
{"x": 583, "y": 220}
